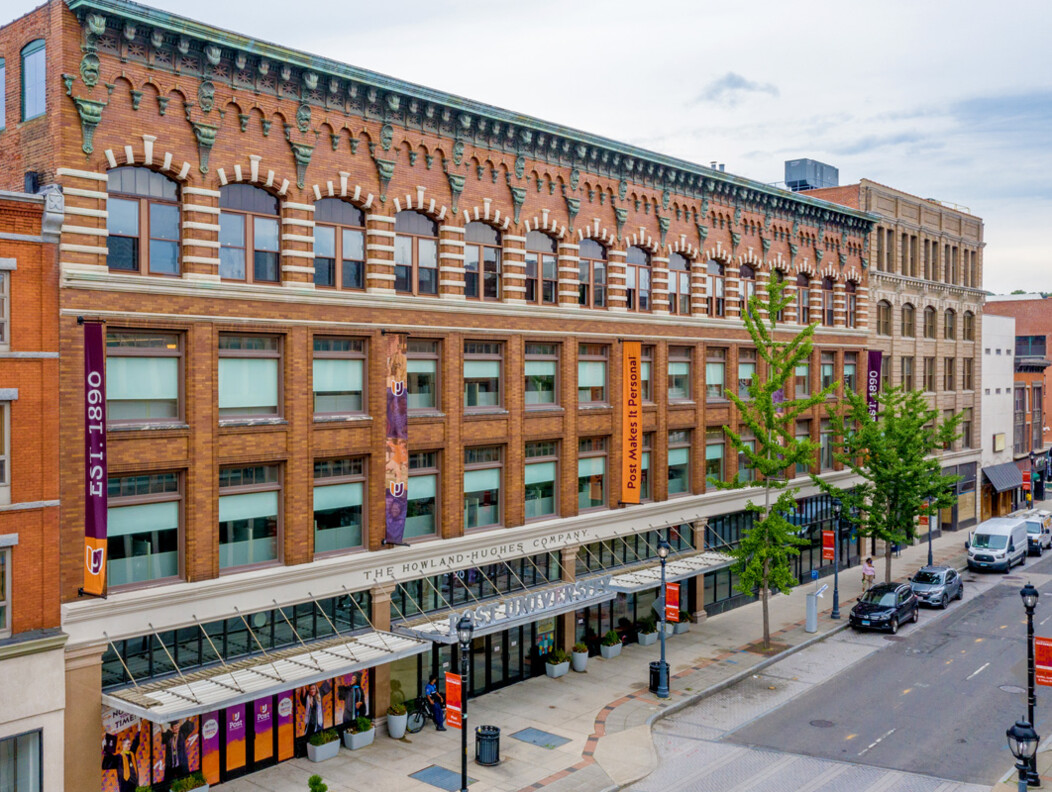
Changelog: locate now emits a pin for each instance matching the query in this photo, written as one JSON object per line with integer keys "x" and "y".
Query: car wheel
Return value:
{"x": 916, "y": 614}
{"x": 894, "y": 626}
{"x": 944, "y": 602}
{"x": 960, "y": 591}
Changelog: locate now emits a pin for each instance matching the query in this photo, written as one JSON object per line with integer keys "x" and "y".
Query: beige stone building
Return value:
{"x": 925, "y": 287}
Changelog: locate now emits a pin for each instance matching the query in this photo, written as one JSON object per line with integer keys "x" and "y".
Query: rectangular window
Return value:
{"x": 929, "y": 374}
{"x": 249, "y": 376}
{"x": 34, "y": 80}
{"x": 746, "y": 371}
{"x": 679, "y": 360}
{"x": 422, "y": 374}
{"x": 678, "y": 462}
{"x": 949, "y": 374}
{"x": 482, "y": 368}
{"x": 3, "y": 94}
{"x": 966, "y": 428}
{"x": 745, "y": 472}
{"x": 644, "y": 467}
{"x": 715, "y": 372}
{"x": 825, "y": 444}
{"x": 828, "y": 370}
{"x": 542, "y": 368}
{"x": 421, "y": 517}
{"x": 339, "y": 497}
{"x": 5, "y": 303}
{"x": 947, "y": 415}
{"x": 803, "y": 380}
{"x": 249, "y": 511}
{"x": 339, "y": 376}
{"x": 5, "y": 592}
{"x": 482, "y": 473}
{"x": 850, "y": 372}
{"x": 803, "y": 432}
{"x": 142, "y": 376}
{"x": 542, "y": 460}
{"x": 143, "y": 518}
{"x": 591, "y": 373}
{"x": 907, "y": 374}
{"x": 646, "y": 378}
{"x": 591, "y": 473}
{"x": 714, "y": 444}
{"x": 20, "y": 763}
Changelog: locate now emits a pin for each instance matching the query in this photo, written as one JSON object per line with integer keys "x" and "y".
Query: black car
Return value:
{"x": 885, "y": 607}
{"x": 937, "y": 585}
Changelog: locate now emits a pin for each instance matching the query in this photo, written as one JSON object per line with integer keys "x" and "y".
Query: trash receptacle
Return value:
{"x": 655, "y": 675}
{"x": 811, "y": 625}
{"x": 487, "y": 745}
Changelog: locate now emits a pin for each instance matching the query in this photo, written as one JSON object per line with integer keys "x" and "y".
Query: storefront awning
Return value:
{"x": 236, "y": 683}
{"x": 679, "y": 568}
{"x": 1004, "y": 477}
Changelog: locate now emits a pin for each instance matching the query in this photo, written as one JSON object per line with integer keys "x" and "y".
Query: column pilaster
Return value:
{"x": 297, "y": 245}
{"x": 379, "y": 254}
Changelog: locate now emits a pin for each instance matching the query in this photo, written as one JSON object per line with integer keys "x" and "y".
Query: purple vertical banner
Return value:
{"x": 396, "y": 461}
{"x": 210, "y": 747}
{"x": 94, "y": 459}
{"x": 873, "y": 380}
{"x": 263, "y": 742}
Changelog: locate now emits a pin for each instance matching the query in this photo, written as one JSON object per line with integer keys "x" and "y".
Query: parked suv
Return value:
{"x": 885, "y": 607}
{"x": 1039, "y": 532}
{"x": 937, "y": 585}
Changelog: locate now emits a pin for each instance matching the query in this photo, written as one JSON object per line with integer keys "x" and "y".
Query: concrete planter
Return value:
{"x": 670, "y": 628}
{"x": 396, "y": 725}
{"x": 681, "y": 627}
{"x": 648, "y": 639}
{"x": 556, "y": 670}
{"x": 609, "y": 651}
{"x": 580, "y": 661}
{"x": 356, "y": 740}
{"x": 319, "y": 753}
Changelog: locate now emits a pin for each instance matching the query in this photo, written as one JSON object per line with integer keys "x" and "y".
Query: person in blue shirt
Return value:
{"x": 434, "y": 698}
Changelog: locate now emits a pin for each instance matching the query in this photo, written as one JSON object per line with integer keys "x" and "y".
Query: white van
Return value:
{"x": 1000, "y": 543}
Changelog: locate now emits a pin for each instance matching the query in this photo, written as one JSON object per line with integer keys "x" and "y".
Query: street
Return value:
{"x": 924, "y": 710}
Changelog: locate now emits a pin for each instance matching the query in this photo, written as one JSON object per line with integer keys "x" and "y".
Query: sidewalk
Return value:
{"x": 601, "y": 718}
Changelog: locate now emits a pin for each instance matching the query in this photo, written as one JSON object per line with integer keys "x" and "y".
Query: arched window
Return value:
{"x": 949, "y": 325}
{"x": 638, "y": 279}
{"x": 339, "y": 245}
{"x": 929, "y": 322}
{"x": 248, "y": 230}
{"x": 142, "y": 220}
{"x": 481, "y": 262}
{"x": 884, "y": 318}
{"x": 851, "y": 303}
{"x": 828, "y": 315}
{"x": 714, "y": 297}
{"x": 746, "y": 285}
{"x": 541, "y": 273}
{"x": 679, "y": 284}
{"x": 416, "y": 253}
{"x": 34, "y": 68}
{"x": 591, "y": 287}
{"x": 803, "y": 298}
{"x": 968, "y": 326}
{"x": 909, "y": 321}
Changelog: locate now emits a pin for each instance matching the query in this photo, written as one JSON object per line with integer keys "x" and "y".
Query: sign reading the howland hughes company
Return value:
{"x": 94, "y": 459}
{"x": 631, "y": 421}
{"x": 873, "y": 380}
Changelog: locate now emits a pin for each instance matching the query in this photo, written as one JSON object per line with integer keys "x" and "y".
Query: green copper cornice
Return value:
{"x": 165, "y": 41}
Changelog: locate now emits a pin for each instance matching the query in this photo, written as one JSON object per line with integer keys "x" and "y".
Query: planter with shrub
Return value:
{"x": 195, "y": 781}
{"x": 647, "y": 632}
{"x": 580, "y": 657}
{"x": 611, "y": 645}
{"x": 556, "y": 663}
{"x": 397, "y": 717}
{"x": 683, "y": 625}
{"x": 359, "y": 734}
{"x": 323, "y": 745}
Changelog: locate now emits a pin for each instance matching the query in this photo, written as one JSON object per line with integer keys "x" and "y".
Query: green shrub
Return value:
{"x": 324, "y": 737}
{"x": 396, "y": 709}
{"x": 611, "y": 638}
{"x": 684, "y": 617}
{"x": 580, "y": 647}
{"x": 647, "y": 625}
{"x": 556, "y": 656}
{"x": 361, "y": 724}
{"x": 143, "y": 789}
{"x": 315, "y": 784}
{"x": 193, "y": 781}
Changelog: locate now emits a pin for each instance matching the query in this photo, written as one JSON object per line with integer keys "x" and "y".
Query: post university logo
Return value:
{"x": 95, "y": 559}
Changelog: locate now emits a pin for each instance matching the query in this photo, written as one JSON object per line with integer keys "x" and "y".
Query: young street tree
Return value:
{"x": 893, "y": 455}
{"x": 762, "y": 559}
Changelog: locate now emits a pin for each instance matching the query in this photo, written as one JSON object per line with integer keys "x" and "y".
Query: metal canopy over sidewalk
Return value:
{"x": 679, "y": 568}
{"x": 1003, "y": 477}
{"x": 276, "y": 672}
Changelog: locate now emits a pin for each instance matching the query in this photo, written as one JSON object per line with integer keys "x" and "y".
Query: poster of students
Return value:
{"x": 176, "y": 749}
{"x": 352, "y": 697}
{"x": 125, "y": 751}
{"x": 313, "y": 708}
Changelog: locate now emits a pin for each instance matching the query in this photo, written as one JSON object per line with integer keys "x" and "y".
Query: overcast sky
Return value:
{"x": 945, "y": 100}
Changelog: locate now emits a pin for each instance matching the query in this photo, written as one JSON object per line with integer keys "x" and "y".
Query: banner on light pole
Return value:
{"x": 454, "y": 708}
{"x": 672, "y": 602}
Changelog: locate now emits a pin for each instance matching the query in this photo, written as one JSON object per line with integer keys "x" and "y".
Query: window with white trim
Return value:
{"x": 21, "y": 758}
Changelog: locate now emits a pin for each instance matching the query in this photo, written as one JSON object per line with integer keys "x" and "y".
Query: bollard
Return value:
{"x": 811, "y": 624}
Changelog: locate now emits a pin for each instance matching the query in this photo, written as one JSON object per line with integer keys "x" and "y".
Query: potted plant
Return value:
{"x": 580, "y": 657}
{"x": 359, "y": 734}
{"x": 195, "y": 781}
{"x": 683, "y": 625}
{"x": 647, "y": 631}
{"x": 323, "y": 745}
{"x": 611, "y": 645}
{"x": 315, "y": 784}
{"x": 556, "y": 663}
{"x": 397, "y": 718}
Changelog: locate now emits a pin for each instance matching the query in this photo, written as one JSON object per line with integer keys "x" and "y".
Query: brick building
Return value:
{"x": 32, "y": 661}
{"x": 271, "y": 239}
{"x": 926, "y": 301}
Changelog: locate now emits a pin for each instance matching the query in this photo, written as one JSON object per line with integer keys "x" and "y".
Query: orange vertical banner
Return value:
{"x": 828, "y": 546}
{"x": 1042, "y": 660}
{"x": 453, "y": 705}
{"x": 631, "y": 421}
{"x": 672, "y": 602}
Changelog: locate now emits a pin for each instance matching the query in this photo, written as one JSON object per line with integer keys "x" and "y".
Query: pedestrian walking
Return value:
{"x": 869, "y": 574}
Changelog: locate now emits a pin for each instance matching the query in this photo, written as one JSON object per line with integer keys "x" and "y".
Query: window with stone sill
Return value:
{"x": 422, "y": 374}
{"x": 803, "y": 298}
{"x": 968, "y": 326}
{"x": 679, "y": 284}
{"x": 803, "y": 379}
{"x": 679, "y": 373}
{"x": 929, "y": 374}
{"x": 715, "y": 373}
{"x": 949, "y": 325}
{"x": 715, "y": 299}
{"x": 679, "y": 467}
{"x": 850, "y": 372}
{"x": 143, "y": 377}
{"x": 592, "y": 271}
{"x": 715, "y": 443}
{"x": 339, "y": 245}
{"x": 541, "y": 375}
{"x": 339, "y": 504}
{"x": 644, "y": 467}
{"x": 249, "y": 234}
{"x": 646, "y": 372}
{"x": 142, "y": 222}
{"x": 482, "y": 262}
{"x": 482, "y": 487}
{"x": 541, "y": 479}
{"x": 483, "y": 361}
{"x": 949, "y": 374}
{"x": 908, "y": 382}
{"x": 929, "y": 322}
{"x": 909, "y": 321}
{"x": 34, "y": 80}
{"x": 249, "y": 376}
{"x": 884, "y": 318}
{"x": 851, "y": 299}
{"x": 746, "y": 371}
{"x": 828, "y": 314}
{"x": 339, "y": 376}
{"x": 416, "y": 254}
{"x": 828, "y": 371}
{"x": 249, "y": 515}
{"x": 746, "y": 286}
{"x": 542, "y": 274}
{"x": 422, "y": 513}
{"x": 637, "y": 279}
{"x": 591, "y": 473}
{"x": 803, "y": 432}
{"x": 592, "y": 369}
{"x": 5, "y": 592}
{"x": 144, "y": 533}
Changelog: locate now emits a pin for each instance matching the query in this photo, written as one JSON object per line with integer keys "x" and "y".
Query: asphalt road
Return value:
{"x": 936, "y": 700}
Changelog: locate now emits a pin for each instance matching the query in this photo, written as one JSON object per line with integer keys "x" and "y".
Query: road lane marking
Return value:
{"x": 976, "y": 672}
{"x": 907, "y": 690}
{"x": 851, "y": 737}
{"x": 876, "y": 742}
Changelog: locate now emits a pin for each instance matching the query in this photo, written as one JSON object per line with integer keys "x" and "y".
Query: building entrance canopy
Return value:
{"x": 1004, "y": 477}
{"x": 679, "y": 568}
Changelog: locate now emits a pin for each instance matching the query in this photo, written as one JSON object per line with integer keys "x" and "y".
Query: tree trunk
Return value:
{"x": 887, "y": 562}
{"x": 764, "y": 592}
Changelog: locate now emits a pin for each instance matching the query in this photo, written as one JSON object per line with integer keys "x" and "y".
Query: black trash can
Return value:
{"x": 487, "y": 745}
{"x": 655, "y": 675}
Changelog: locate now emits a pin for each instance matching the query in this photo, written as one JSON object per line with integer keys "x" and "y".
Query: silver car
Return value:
{"x": 937, "y": 585}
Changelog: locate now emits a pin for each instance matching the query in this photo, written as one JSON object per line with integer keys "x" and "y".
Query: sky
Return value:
{"x": 944, "y": 100}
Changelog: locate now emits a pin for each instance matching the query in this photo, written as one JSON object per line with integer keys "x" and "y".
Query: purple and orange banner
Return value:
{"x": 286, "y": 726}
{"x": 94, "y": 459}
{"x": 672, "y": 602}
{"x": 235, "y": 737}
{"x": 454, "y": 717}
{"x": 263, "y": 742}
{"x": 396, "y": 461}
{"x": 210, "y": 747}
{"x": 631, "y": 421}
{"x": 873, "y": 380}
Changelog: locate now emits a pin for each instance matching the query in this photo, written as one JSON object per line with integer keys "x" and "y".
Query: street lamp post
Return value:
{"x": 1022, "y": 742}
{"x": 1029, "y": 595}
{"x": 465, "y": 629}
{"x": 837, "y": 508}
{"x": 663, "y": 549}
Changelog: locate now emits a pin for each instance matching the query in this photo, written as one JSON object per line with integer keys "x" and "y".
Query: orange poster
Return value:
{"x": 631, "y": 421}
{"x": 453, "y": 712}
{"x": 672, "y": 602}
{"x": 1043, "y": 660}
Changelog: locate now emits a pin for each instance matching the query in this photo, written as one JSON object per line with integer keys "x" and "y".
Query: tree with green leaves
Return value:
{"x": 762, "y": 558}
{"x": 893, "y": 454}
